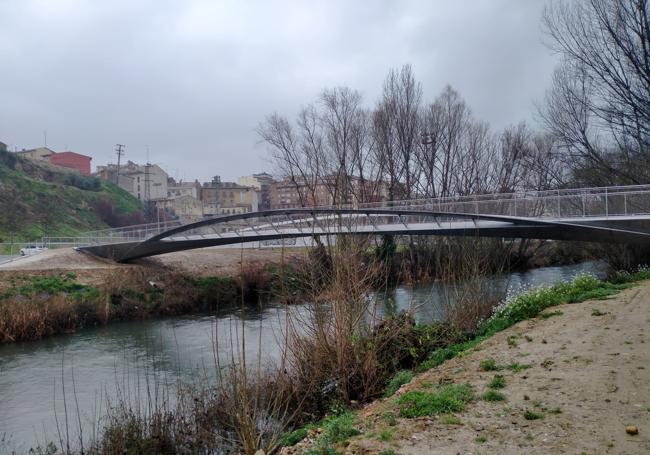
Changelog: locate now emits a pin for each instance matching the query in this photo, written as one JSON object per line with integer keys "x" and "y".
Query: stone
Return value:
{"x": 631, "y": 429}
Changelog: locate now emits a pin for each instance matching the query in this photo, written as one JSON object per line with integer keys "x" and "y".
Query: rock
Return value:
{"x": 631, "y": 429}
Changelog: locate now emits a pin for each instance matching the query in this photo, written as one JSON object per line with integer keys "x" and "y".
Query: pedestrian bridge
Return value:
{"x": 609, "y": 214}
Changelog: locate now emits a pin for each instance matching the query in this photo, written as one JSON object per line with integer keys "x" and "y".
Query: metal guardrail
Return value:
{"x": 552, "y": 205}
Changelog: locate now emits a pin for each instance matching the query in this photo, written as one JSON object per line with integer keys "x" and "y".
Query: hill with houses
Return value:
{"x": 41, "y": 199}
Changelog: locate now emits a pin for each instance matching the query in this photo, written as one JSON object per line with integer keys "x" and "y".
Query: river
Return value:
{"x": 146, "y": 358}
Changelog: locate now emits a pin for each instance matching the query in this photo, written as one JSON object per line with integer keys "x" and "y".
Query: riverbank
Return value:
{"x": 62, "y": 291}
{"x": 570, "y": 380}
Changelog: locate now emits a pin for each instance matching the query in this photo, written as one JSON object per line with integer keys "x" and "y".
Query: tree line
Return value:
{"x": 594, "y": 123}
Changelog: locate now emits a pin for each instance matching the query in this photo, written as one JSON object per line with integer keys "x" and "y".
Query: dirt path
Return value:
{"x": 589, "y": 377}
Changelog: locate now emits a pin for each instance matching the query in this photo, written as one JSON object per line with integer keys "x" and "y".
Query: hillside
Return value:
{"x": 38, "y": 199}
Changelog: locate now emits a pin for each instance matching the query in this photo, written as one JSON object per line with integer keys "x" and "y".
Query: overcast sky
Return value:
{"x": 190, "y": 80}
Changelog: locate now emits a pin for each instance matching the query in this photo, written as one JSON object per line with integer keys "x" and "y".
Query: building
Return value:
{"x": 185, "y": 207}
{"x": 39, "y": 153}
{"x": 146, "y": 182}
{"x": 181, "y": 188}
{"x": 224, "y": 198}
{"x": 262, "y": 182}
{"x": 3, "y": 147}
{"x": 71, "y": 160}
{"x": 325, "y": 191}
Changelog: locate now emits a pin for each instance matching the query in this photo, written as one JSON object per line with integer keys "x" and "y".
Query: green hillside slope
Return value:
{"x": 37, "y": 199}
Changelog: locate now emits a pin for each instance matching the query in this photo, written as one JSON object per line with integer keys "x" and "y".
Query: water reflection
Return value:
{"x": 135, "y": 358}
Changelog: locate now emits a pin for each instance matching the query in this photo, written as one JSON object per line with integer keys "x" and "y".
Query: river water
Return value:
{"x": 146, "y": 358}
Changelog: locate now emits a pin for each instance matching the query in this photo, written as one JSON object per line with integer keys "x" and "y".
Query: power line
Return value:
{"x": 119, "y": 148}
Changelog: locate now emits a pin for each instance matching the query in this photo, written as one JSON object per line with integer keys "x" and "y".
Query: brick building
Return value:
{"x": 71, "y": 160}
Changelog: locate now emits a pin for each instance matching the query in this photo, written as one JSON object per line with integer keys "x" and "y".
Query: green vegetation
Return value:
{"x": 489, "y": 365}
{"x": 401, "y": 378}
{"x": 38, "y": 199}
{"x": 549, "y": 314}
{"x": 480, "y": 439}
{"x": 498, "y": 382}
{"x": 336, "y": 428}
{"x": 493, "y": 395}
{"x": 517, "y": 367}
{"x": 447, "y": 399}
{"x": 531, "y": 415}
{"x": 450, "y": 419}
{"x": 294, "y": 437}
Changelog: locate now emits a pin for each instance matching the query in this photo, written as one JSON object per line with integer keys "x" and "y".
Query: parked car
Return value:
{"x": 31, "y": 249}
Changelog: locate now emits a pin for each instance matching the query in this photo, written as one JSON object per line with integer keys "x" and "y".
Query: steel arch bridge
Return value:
{"x": 612, "y": 215}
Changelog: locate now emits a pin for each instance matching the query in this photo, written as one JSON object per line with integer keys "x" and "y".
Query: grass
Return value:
{"x": 597, "y": 312}
{"x": 337, "y": 428}
{"x": 385, "y": 435}
{"x": 549, "y": 314}
{"x": 517, "y": 367}
{"x": 532, "y": 415}
{"x": 489, "y": 365}
{"x": 480, "y": 439}
{"x": 41, "y": 200}
{"x": 450, "y": 419}
{"x": 447, "y": 399}
{"x": 401, "y": 378}
{"x": 497, "y": 382}
{"x": 493, "y": 396}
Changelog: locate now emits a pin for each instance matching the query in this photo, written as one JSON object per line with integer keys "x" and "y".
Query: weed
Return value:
{"x": 489, "y": 365}
{"x": 390, "y": 419}
{"x": 450, "y": 419}
{"x": 597, "y": 312}
{"x": 385, "y": 435}
{"x": 512, "y": 341}
{"x": 549, "y": 314}
{"x": 480, "y": 439}
{"x": 555, "y": 410}
{"x": 388, "y": 452}
{"x": 531, "y": 415}
{"x": 294, "y": 437}
{"x": 401, "y": 378}
{"x": 497, "y": 382}
{"x": 517, "y": 367}
{"x": 338, "y": 428}
{"x": 492, "y": 396}
{"x": 448, "y": 399}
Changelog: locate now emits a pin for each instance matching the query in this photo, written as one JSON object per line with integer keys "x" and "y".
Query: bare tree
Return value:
{"x": 600, "y": 102}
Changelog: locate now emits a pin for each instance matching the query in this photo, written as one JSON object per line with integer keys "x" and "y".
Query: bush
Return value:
{"x": 83, "y": 182}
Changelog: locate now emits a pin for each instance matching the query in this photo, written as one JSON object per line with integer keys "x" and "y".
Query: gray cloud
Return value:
{"x": 190, "y": 80}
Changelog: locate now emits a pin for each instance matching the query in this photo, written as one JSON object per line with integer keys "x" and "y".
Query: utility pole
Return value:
{"x": 119, "y": 148}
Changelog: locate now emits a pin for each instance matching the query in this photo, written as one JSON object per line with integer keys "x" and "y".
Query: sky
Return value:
{"x": 185, "y": 83}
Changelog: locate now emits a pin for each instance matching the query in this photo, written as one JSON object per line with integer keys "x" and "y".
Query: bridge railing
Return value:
{"x": 553, "y": 204}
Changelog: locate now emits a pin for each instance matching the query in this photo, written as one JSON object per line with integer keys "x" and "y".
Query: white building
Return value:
{"x": 146, "y": 182}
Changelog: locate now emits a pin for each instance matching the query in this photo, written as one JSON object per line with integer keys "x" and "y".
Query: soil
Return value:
{"x": 589, "y": 379}
{"x": 92, "y": 270}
